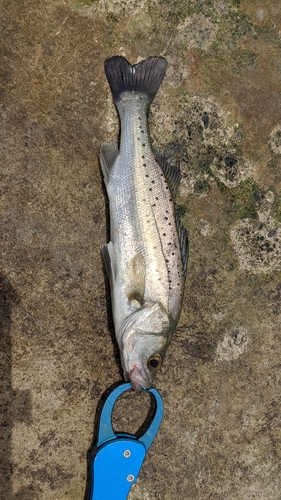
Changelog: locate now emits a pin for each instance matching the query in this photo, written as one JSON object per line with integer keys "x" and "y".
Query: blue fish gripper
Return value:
{"x": 116, "y": 459}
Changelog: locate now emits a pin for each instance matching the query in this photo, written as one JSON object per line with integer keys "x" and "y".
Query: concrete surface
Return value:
{"x": 218, "y": 115}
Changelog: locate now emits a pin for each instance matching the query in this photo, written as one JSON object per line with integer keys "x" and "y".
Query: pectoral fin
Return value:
{"x": 135, "y": 279}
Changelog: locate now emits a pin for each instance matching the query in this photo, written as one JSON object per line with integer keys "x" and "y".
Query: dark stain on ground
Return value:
{"x": 15, "y": 404}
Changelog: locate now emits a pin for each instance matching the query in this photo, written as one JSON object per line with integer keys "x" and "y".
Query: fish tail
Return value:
{"x": 143, "y": 78}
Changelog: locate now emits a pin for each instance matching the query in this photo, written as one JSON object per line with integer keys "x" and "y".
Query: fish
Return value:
{"x": 146, "y": 257}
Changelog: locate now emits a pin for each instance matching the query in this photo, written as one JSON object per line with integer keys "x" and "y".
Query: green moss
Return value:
{"x": 275, "y": 164}
{"x": 241, "y": 60}
{"x": 112, "y": 18}
{"x": 239, "y": 201}
{"x": 85, "y": 2}
{"x": 173, "y": 12}
{"x": 225, "y": 50}
{"x": 268, "y": 35}
{"x": 234, "y": 27}
{"x": 235, "y": 3}
{"x": 276, "y": 206}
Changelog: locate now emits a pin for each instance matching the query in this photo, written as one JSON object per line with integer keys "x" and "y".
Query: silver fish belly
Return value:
{"x": 146, "y": 259}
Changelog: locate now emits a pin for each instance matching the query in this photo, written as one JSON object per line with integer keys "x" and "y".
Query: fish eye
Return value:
{"x": 155, "y": 362}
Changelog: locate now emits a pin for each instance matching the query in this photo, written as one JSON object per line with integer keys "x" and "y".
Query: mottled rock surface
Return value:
{"x": 218, "y": 115}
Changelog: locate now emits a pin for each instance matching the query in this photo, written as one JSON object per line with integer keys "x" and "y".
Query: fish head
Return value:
{"x": 145, "y": 336}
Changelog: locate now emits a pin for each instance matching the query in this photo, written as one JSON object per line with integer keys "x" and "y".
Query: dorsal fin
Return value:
{"x": 171, "y": 172}
{"x": 108, "y": 154}
{"x": 183, "y": 240}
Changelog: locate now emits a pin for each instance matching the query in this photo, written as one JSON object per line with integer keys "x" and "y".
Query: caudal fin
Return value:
{"x": 143, "y": 78}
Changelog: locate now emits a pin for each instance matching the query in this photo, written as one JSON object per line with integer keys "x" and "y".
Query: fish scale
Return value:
{"x": 155, "y": 208}
{"x": 147, "y": 255}
{"x": 139, "y": 210}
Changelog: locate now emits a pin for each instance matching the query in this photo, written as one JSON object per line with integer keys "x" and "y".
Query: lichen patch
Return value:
{"x": 197, "y": 31}
{"x": 232, "y": 345}
{"x": 206, "y": 145}
{"x": 231, "y": 169}
{"x": 204, "y": 228}
{"x": 258, "y": 244}
{"x": 275, "y": 140}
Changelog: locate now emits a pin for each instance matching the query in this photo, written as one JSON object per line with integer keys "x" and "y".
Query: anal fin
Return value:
{"x": 107, "y": 252}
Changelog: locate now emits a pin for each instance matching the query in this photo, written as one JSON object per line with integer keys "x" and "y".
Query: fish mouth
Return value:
{"x": 138, "y": 378}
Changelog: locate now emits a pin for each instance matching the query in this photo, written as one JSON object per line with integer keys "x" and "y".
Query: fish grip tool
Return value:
{"x": 116, "y": 459}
